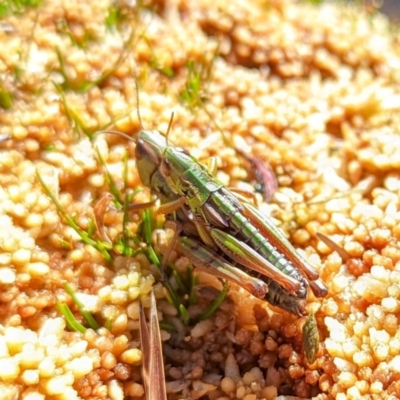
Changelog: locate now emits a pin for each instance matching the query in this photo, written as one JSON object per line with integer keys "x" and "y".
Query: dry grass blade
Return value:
{"x": 334, "y": 246}
{"x": 266, "y": 184}
{"x": 153, "y": 363}
{"x": 146, "y": 348}
{"x": 99, "y": 213}
{"x": 363, "y": 187}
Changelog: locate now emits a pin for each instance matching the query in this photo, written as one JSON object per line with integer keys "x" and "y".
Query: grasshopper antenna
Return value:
{"x": 140, "y": 119}
{"x": 169, "y": 127}
{"x": 137, "y": 104}
{"x": 117, "y": 133}
{"x": 138, "y": 114}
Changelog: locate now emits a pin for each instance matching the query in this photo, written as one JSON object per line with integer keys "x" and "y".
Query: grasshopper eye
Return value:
{"x": 140, "y": 151}
{"x": 145, "y": 151}
{"x": 165, "y": 167}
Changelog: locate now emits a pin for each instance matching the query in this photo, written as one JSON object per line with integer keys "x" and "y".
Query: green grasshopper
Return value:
{"x": 221, "y": 226}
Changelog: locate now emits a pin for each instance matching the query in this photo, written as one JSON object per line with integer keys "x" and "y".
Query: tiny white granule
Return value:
{"x": 21, "y": 256}
{"x": 9, "y": 369}
{"x": 77, "y": 349}
{"x": 146, "y": 284}
{"x": 390, "y": 305}
{"x": 339, "y": 335}
{"x": 84, "y": 155}
{"x": 30, "y": 198}
{"x": 115, "y": 390}
{"x": 5, "y": 258}
{"x": 376, "y": 387}
{"x": 14, "y": 193}
{"x": 71, "y": 234}
{"x": 201, "y": 328}
{"x": 133, "y": 277}
{"x": 51, "y": 332}
{"x": 394, "y": 346}
{"x": 96, "y": 180}
{"x": 76, "y": 255}
{"x": 363, "y": 359}
{"x": 69, "y": 394}
{"x": 34, "y": 220}
{"x": 32, "y": 395}
{"x": 349, "y": 348}
{"x": 9, "y": 390}
{"x": 3, "y": 347}
{"x": 120, "y": 323}
{"x": 90, "y": 302}
{"x": 7, "y": 275}
{"x": 347, "y": 379}
{"x": 31, "y": 356}
{"x": 30, "y": 377}
{"x": 62, "y": 355}
{"x": 47, "y": 367}
{"x": 133, "y": 310}
{"x": 370, "y": 288}
{"x": 131, "y": 356}
{"x": 380, "y": 273}
{"x": 340, "y": 282}
{"x": 119, "y": 297}
{"x": 381, "y": 351}
{"x": 394, "y": 276}
{"x": 345, "y": 365}
{"x": 360, "y": 329}
{"x": 121, "y": 282}
{"x": 10, "y": 245}
{"x": 109, "y": 312}
{"x": 337, "y": 330}
{"x": 394, "y": 364}
{"x": 38, "y": 269}
{"x": 59, "y": 384}
{"x": 134, "y": 292}
{"x": 20, "y": 132}
{"x": 334, "y": 348}
{"x": 105, "y": 293}
{"x": 17, "y": 337}
{"x": 352, "y": 393}
{"x": 378, "y": 336}
{"x": 19, "y": 210}
{"x": 79, "y": 366}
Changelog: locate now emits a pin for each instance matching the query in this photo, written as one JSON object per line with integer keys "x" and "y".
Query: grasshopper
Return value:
{"x": 227, "y": 236}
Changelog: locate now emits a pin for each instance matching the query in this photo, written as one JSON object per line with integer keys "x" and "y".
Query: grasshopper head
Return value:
{"x": 150, "y": 147}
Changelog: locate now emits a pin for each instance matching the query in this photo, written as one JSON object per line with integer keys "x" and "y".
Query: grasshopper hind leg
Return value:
{"x": 259, "y": 286}
{"x": 208, "y": 261}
